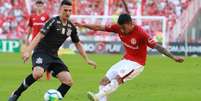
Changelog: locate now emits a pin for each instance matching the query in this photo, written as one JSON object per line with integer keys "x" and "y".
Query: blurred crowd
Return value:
{"x": 13, "y": 18}
{"x": 14, "y": 13}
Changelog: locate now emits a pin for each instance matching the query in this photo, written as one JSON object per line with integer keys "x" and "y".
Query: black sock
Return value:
{"x": 63, "y": 89}
{"x": 25, "y": 84}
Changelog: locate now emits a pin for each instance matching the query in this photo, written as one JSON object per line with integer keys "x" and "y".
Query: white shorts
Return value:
{"x": 126, "y": 69}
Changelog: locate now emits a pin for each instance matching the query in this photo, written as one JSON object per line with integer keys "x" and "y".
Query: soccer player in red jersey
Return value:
{"x": 36, "y": 20}
{"x": 135, "y": 41}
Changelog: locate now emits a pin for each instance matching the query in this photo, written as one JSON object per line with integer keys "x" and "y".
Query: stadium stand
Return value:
{"x": 14, "y": 15}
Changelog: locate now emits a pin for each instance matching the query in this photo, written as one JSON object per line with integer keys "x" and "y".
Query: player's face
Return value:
{"x": 65, "y": 11}
{"x": 39, "y": 6}
{"x": 127, "y": 28}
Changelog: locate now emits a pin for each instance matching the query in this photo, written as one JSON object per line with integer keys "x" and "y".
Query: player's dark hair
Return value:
{"x": 39, "y": 2}
{"x": 66, "y": 2}
{"x": 124, "y": 18}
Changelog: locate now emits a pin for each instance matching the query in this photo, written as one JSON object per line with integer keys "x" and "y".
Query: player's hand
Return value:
{"x": 25, "y": 56}
{"x": 92, "y": 63}
{"x": 179, "y": 59}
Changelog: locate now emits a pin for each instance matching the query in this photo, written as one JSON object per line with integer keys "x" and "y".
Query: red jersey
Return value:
{"x": 135, "y": 43}
{"x": 36, "y": 22}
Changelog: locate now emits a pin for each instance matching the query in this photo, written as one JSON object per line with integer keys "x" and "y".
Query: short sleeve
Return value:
{"x": 30, "y": 23}
{"x": 150, "y": 42}
{"x": 47, "y": 26}
{"x": 147, "y": 38}
{"x": 74, "y": 36}
{"x": 111, "y": 28}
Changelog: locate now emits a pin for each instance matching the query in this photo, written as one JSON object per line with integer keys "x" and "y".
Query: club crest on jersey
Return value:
{"x": 133, "y": 41}
{"x": 42, "y": 18}
{"x": 39, "y": 60}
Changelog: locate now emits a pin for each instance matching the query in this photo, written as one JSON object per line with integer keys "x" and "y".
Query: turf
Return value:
{"x": 162, "y": 79}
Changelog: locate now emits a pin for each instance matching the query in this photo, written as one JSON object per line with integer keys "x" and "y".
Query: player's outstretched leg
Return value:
{"x": 103, "y": 98}
{"x": 92, "y": 96}
{"x": 66, "y": 82}
{"x": 28, "y": 81}
{"x": 106, "y": 88}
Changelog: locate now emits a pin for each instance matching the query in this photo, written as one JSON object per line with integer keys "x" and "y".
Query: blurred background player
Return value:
{"x": 45, "y": 56}
{"x": 135, "y": 41}
{"x": 36, "y": 20}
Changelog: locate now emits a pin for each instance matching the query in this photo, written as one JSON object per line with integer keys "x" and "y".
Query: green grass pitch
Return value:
{"x": 161, "y": 80}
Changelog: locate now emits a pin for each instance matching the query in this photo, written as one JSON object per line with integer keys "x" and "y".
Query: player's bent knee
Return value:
{"x": 119, "y": 80}
{"x": 38, "y": 73}
{"x": 68, "y": 82}
{"x": 104, "y": 81}
{"x": 65, "y": 78}
{"x": 37, "y": 76}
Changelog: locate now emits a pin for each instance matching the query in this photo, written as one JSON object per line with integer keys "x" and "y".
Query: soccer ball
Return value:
{"x": 52, "y": 95}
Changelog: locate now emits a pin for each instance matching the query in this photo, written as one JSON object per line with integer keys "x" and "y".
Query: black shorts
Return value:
{"x": 48, "y": 62}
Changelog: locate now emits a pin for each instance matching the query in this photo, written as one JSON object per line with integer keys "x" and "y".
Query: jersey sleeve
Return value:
{"x": 150, "y": 42}
{"x": 47, "y": 26}
{"x": 47, "y": 17}
{"x": 74, "y": 36}
{"x": 148, "y": 39}
{"x": 111, "y": 28}
{"x": 30, "y": 23}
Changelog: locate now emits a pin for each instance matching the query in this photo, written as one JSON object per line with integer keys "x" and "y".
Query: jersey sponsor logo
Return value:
{"x": 69, "y": 32}
{"x": 39, "y": 60}
{"x": 38, "y": 24}
{"x": 63, "y": 31}
{"x": 130, "y": 46}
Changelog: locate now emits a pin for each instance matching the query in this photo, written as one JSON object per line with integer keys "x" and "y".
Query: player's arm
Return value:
{"x": 37, "y": 39}
{"x": 28, "y": 35}
{"x": 164, "y": 51}
{"x": 153, "y": 44}
{"x": 75, "y": 39}
{"x": 84, "y": 55}
{"x": 91, "y": 26}
{"x": 33, "y": 44}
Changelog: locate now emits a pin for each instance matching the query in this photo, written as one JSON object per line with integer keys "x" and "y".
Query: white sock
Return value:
{"x": 108, "y": 89}
{"x": 102, "y": 98}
